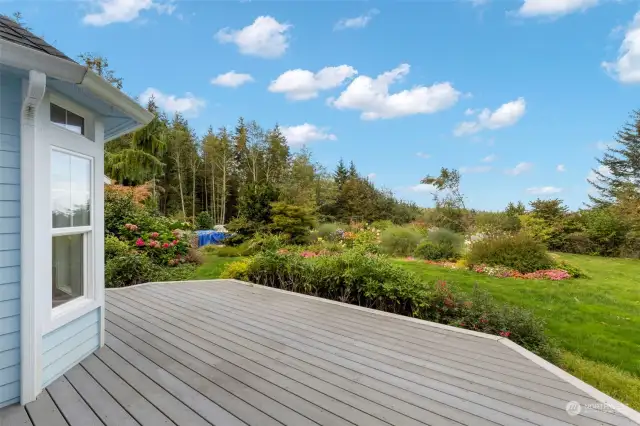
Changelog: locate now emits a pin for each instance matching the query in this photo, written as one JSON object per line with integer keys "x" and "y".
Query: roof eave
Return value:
{"x": 23, "y": 57}
{"x": 104, "y": 90}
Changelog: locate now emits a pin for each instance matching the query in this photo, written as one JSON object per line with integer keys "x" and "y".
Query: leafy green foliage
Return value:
{"x": 114, "y": 247}
{"x": 381, "y": 224}
{"x": 141, "y": 246}
{"x": 399, "y": 241}
{"x": 327, "y": 231}
{"x": 431, "y": 251}
{"x": 293, "y": 222}
{"x": 520, "y": 252}
{"x": 237, "y": 270}
{"x": 204, "y": 220}
{"x": 441, "y": 244}
{"x": 536, "y": 228}
{"x": 495, "y": 222}
{"x": 605, "y": 230}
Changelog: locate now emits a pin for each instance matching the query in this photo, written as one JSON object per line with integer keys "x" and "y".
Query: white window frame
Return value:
{"x": 52, "y": 137}
{"x": 61, "y": 313}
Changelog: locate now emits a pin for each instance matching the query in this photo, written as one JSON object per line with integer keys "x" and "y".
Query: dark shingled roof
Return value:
{"x": 11, "y": 31}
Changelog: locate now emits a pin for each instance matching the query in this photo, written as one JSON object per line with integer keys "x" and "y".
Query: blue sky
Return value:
{"x": 519, "y": 95}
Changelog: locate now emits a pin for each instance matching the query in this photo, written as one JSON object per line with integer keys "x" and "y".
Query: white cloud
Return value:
{"x": 232, "y": 79}
{"x": 544, "y": 190}
{"x": 506, "y": 115}
{"x": 188, "y": 105}
{"x": 554, "y": 8}
{"x": 519, "y": 169}
{"x": 371, "y": 176}
{"x": 266, "y": 38}
{"x": 301, "y": 84}
{"x": 470, "y": 111}
{"x": 475, "y": 169}
{"x": 372, "y": 97}
{"x": 489, "y": 158}
{"x": 357, "y": 22}
{"x": 304, "y": 133}
{"x": 112, "y": 11}
{"x": 424, "y": 188}
{"x": 626, "y": 67}
{"x": 423, "y": 155}
{"x": 561, "y": 168}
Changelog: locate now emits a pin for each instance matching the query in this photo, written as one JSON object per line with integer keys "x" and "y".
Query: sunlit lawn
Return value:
{"x": 596, "y": 321}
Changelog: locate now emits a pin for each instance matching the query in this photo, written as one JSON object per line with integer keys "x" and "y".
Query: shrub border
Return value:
{"x": 599, "y": 396}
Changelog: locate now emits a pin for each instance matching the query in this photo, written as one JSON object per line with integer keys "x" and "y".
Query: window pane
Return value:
{"x": 60, "y": 185}
{"x": 58, "y": 115}
{"x": 70, "y": 190}
{"x": 80, "y": 191}
{"x": 68, "y": 269}
{"x": 75, "y": 123}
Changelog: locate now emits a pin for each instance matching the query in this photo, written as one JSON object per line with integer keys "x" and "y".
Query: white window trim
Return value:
{"x": 84, "y": 146}
{"x": 38, "y": 137}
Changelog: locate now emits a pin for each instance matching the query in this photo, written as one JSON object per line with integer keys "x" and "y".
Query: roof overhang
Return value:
{"x": 25, "y": 58}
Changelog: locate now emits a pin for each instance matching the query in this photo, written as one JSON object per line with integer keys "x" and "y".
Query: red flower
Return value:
{"x": 174, "y": 242}
{"x": 154, "y": 235}
{"x": 505, "y": 333}
{"x": 165, "y": 245}
{"x": 140, "y": 242}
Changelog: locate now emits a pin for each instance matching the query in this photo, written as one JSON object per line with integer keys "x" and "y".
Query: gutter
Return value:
{"x": 22, "y": 57}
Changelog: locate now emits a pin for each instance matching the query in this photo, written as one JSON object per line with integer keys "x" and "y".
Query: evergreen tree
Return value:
{"x": 619, "y": 171}
{"x": 136, "y": 158}
{"x": 341, "y": 174}
{"x": 515, "y": 209}
{"x": 100, "y": 65}
{"x": 353, "y": 172}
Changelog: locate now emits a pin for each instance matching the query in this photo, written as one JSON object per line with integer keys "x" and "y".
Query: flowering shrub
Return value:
{"x": 504, "y": 272}
{"x": 154, "y": 246}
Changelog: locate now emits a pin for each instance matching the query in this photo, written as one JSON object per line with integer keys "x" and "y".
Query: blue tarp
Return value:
{"x": 210, "y": 237}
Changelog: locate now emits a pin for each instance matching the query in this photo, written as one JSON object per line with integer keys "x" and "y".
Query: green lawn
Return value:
{"x": 596, "y": 320}
{"x": 212, "y": 266}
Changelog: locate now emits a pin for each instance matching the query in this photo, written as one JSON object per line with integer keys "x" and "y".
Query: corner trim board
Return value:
{"x": 30, "y": 332}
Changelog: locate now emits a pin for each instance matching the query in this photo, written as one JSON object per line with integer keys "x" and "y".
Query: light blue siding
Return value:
{"x": 10, "y": 101}
{"x": 69, "y": 344}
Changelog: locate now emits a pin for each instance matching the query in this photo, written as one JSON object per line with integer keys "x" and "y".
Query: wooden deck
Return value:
{"x": 225, "y": 353}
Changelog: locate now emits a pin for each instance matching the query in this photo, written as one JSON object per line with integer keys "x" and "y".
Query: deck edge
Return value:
{"x": 599, "y": 396}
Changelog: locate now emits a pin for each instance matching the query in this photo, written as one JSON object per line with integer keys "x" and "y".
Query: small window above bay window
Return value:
{"x": 67, "y": 119}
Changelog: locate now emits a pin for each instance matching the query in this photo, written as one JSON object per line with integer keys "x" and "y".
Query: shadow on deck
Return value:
{"x": 226, "y": 353}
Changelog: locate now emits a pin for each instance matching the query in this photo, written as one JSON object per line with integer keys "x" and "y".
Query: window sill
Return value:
{"x": 68, "y": 312}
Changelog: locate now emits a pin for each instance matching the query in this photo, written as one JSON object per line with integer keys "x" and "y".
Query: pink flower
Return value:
{"x": 165, "y": 245}
{"x": 131, "y": 227}
{"x": 154, "y": 235}
{"x": 505, "y": 333}
{"x": 153, "y": 243}
{"x": 140, "y": 242}
{"x": 174, "y": 242}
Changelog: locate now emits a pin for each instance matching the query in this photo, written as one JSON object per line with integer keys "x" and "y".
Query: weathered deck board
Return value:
{"x": 227, "y": 354}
